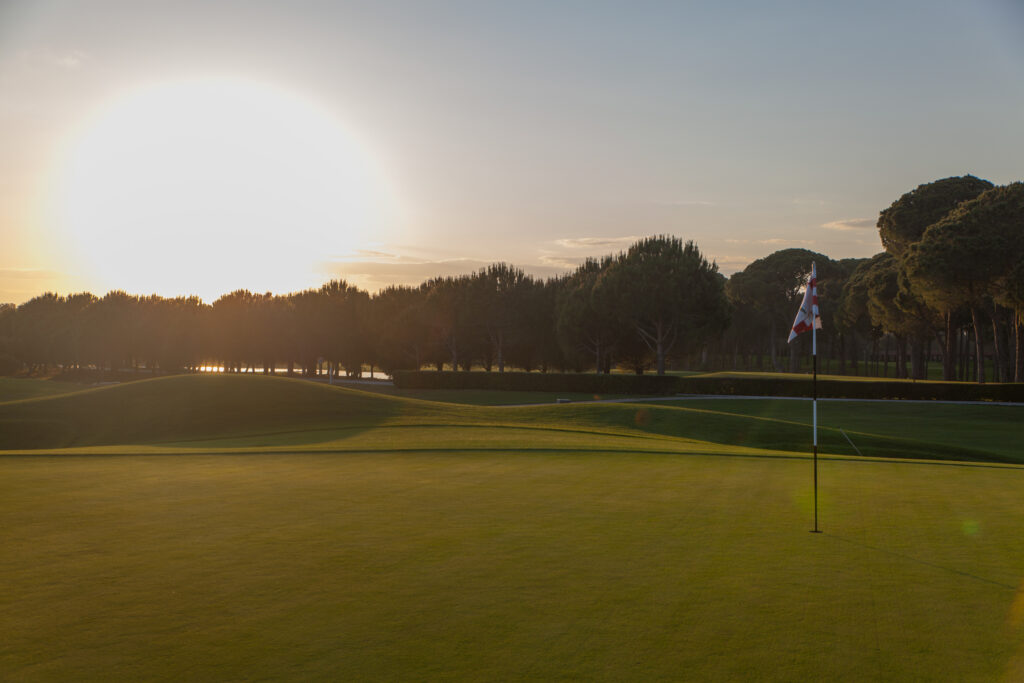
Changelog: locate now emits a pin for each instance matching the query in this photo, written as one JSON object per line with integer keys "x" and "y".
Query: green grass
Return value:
{"x": 205, "y": 413}
{"x": 866, "y": 372}
{"x": 804, "y": 375}
{"x": 237, "y": 528}
{"x": 974, "y": 432}
{"x": 18, "y": 388}
{"x": 479, "y": 397}
{"x": 503, "y": 565}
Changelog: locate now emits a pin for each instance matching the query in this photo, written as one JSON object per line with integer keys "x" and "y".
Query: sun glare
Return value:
{"x": 208, "y": 186}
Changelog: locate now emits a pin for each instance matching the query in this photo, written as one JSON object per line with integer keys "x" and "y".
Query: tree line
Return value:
{"x": 948, "y": 288}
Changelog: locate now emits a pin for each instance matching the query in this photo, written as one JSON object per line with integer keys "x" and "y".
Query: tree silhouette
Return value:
{"x": 904, "y": 223}
{"x": 960, "y": 259}
{"x": 664, "y": 289}
{"x": 770, "y": 289}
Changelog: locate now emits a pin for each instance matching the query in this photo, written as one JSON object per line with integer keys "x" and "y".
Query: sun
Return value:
{"x": 207, "y": 186}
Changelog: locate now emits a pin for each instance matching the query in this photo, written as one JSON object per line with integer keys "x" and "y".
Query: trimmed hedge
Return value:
{"x": 538, "y": 381}
{"x": 831, "y": 388}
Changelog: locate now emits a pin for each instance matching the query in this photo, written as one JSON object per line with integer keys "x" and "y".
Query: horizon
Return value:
{"x": 196, "y": 149}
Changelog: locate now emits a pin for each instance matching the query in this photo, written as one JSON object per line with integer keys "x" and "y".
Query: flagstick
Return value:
{"x": 814, "y": 404}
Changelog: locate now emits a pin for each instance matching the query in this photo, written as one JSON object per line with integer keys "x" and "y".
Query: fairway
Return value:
{"x": 361, "y": 537}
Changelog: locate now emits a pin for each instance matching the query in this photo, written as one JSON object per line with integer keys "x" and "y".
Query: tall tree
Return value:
{"x": 585, "y": 321}
{"x": 1010, "y": 288}
{"x": 832, "y": 289}
{"x": 498, "y": 302}
{"x": 896, "y": 310}
{"x": 665, "y": 290}
{"x": 9, "y": 361}
{"x": 770, "y": 289}
{"x": 961, "y": 257}
{"x": 447, "y": 307}
{"x": 905, "y": 222}
{"x": 399, "y": 331}
{"x": 343, "y": 310}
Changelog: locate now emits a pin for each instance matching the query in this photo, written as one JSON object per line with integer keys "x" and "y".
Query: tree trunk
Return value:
{"x": 979, "y": 343}
{"x": 998, "y": 363}
{"x": 949, "y": 350}
{"x": 901, "y": 357}
{"x": 885, "y": 361}
{"x": 501, "y": 354}
{"x": 774, "y": 351}
{"x": 915, "y": 357}
{"x": 963, "y": 343}
{"x": 1018, "y": 333}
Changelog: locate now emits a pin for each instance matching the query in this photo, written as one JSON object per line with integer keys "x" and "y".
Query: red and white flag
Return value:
{"x": 808, "y": 308}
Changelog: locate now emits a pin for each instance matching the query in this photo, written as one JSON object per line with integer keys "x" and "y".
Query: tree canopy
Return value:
{"x": 906, "y": 220}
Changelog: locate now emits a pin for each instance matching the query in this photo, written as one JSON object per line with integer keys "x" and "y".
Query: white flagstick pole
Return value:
{"x": 814, "y": 388}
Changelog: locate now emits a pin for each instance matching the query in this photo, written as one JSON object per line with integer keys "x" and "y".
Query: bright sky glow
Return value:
{"x": 198, "y": 147}
{"x": 212, "y": 185}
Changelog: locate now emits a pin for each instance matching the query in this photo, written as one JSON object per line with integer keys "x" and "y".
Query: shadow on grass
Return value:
{"x": 187, "y": 407}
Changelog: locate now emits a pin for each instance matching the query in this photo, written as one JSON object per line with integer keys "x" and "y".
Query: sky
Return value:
{"x": 200, "y": 147}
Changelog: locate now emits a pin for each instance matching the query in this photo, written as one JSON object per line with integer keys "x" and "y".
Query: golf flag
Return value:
{"x": 807, "y": 318}
{"x": 808, "y": 308}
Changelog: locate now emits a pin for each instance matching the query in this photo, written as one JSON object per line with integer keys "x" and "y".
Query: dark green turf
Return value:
{"x": 255, "y": 412}
{"x": 18, "y": 388}
{"x": 977, "y": 432}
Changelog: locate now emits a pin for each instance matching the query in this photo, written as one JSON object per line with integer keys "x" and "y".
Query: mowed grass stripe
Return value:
{"x": 472, "y": 565}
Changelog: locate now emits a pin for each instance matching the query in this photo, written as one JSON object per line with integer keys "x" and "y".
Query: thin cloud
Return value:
{"x": 566, "y": 262}
{"x": 850, "y": 224}
{"x": 62, "y": 59}
{"x": 778, "y": 241}
{"x": 69, "y": 60}
{"x": 596, "y": 242}
{"x": 728, "y": 266}
{"x": 370, "y": 253}
{"x": 686, "y": 202}
{"x": 27, "y": 274}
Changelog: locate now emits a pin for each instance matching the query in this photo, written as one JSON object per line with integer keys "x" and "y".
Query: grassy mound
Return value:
{"x": 187, "y": 407}
{"x": 207, "y": 413}
{"x": 20, "y": 388}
